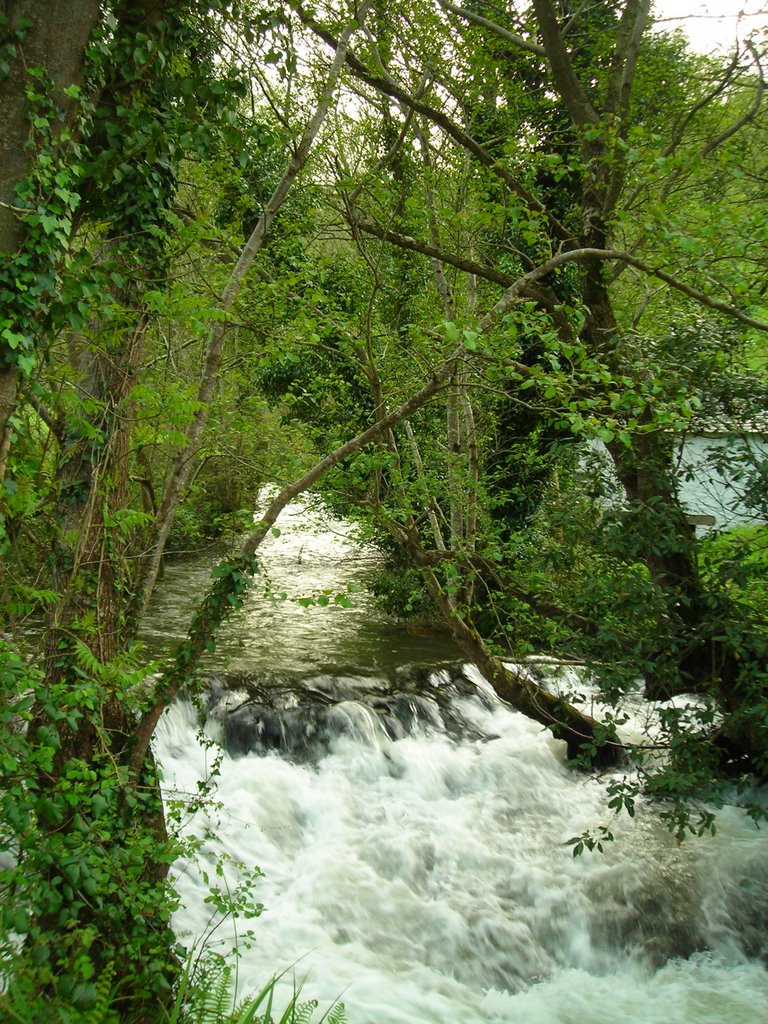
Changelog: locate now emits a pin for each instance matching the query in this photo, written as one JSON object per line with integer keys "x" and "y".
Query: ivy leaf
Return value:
{"x": 49, "y": 224}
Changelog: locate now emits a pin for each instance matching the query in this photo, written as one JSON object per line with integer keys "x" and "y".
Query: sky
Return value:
{"x": 713, "y": 24}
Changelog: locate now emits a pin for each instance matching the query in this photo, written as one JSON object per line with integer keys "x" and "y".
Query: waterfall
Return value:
{"x": 411, "y": 830}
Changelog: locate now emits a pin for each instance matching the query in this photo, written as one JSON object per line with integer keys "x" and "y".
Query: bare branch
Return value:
{"x": 443, "y": 285}
{"x": 717, "y": 90}
{"x": 624, "y": 61}
{"x": 679, "y": 132}
{"x": 524, "y": 285}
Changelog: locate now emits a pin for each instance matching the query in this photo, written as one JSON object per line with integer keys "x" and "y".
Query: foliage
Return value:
{"x": 446, "y": 228}
{"x": 737, "y": 561}
{"x": 87, "y": 901}
{"x": 76, "y": 846}
{"x": 399, "y": 590}
{"x": 86, "y": 928}
{"x": 206, "y": 997}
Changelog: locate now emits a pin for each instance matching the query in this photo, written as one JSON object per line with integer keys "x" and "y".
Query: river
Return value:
{"x": 412, "y": 829}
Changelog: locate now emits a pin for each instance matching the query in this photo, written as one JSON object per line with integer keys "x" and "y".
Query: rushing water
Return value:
{"x": 315, "y": 557}
{"x": 411, "y": 832}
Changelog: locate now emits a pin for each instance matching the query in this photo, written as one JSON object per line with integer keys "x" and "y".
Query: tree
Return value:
{"x": 51, "y": 40}
{"x": 605, "y": 162}
{"x": 83, "y": 776}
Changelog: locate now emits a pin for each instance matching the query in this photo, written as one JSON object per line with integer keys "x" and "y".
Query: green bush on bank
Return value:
{"x": 204, "y": 995}
{"x": 737, "y": 561}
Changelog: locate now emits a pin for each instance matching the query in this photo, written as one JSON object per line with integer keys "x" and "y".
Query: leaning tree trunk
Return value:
{"x": 586, "y": 739}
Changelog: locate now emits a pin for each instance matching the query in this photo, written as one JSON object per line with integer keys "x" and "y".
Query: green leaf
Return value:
{"x": 471, "y": 341}
{"x": 99, "y": 804}
{"x": 49, "y": 223}
{"x": 451, "y": 331}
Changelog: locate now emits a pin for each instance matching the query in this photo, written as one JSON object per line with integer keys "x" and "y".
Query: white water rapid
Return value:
{"x": 411, "y": 832}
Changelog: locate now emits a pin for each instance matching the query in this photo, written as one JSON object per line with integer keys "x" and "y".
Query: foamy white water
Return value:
{"x": 426, "y": 880}
{"x": 411, "y": 832}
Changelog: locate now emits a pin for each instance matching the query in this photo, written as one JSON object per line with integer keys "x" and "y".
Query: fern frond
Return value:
{"x": 88, "y": 661}
{"x": 100, "y": 1012}
{"x": 215, "y": 1005}
{"x": 336, "y": 1015}
{"x": 300, "y": 1013}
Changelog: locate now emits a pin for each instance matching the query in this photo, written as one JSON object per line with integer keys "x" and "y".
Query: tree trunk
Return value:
{"x": 696, "y": 660}
{"x": 87, "y": 630}
{"x": 585, "y": 738}
{"x": 182, "y": 466}
{"x": 55, "y": 39}
{"x": 52, "y": 34}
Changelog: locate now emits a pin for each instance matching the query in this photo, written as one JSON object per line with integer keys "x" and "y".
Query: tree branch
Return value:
{"x": 477, "y": 563}
{"x": 522, "y": 286}
{"x": 183, "y": 463}
{"x": 626, "y": 51}
{"x": 748, "y": 116}
{"x": 391, "y": 153}
{"x": 183, "y": 666}
{"x": 512, "y": 294}
{"x": 624, "y": 58}
{"x": 497, "y": 30}
{"x": 54, "y": 423}
{"x": 680, "y": 128}
{"x": 389, "y": 87}
{"x": 359, "y": 223}
{"x": 581, "y": 110}
{"x": 541, "y": 295}
{"x": 510, "y": 683}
